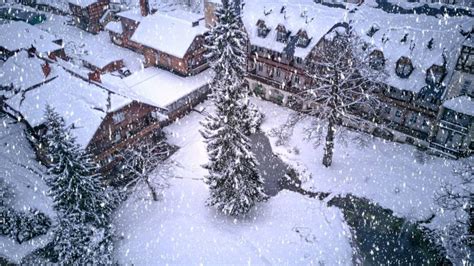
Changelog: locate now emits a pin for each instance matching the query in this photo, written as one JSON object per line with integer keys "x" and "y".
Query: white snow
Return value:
{"x": 289, "y": 229}
{"x": 83, "y": 3}
{"x": 317, "y": 21}
{"x": 18, "y": 35}
{"x": 419, "y": 29}
{"x": 385, "y": 172}
{"x": 156, "y": 86}
{"x": 114, "y": 26}
{"x": 81, "y": 44}
{"x": 23, "y": 72}
{"x": 168, "y": 33}
{"x": 82, "y": 104}
{"x": 20, "y": 170}
{"x": 462, "y": 104}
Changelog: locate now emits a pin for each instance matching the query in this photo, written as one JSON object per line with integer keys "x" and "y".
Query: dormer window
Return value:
{"x": 303, "y": 39}
{"x": 376, "y": 60}
{"x": 282, "y": 34}
{"x": 435, "y": 75}
{"x": 262, "y": 29}
{"x": 404, "y": 67}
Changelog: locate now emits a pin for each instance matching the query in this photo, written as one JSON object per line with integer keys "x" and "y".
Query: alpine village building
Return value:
{"x": 427, "y": 102}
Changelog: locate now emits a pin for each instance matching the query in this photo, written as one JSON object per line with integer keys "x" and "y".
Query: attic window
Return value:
{"x": 435, "y": 75}
{"x": 376, "y": 60}
{"x": 262, "y": 29}
{"x": 303, "y": 39}
{"x": 404, "y": 67}
{"x": 282, "y": 34}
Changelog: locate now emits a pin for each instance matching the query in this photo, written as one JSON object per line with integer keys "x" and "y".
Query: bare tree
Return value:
{"x": 458, "y": 196}
{"x": 143, "y": 160}
{"x": 344, "y": 81}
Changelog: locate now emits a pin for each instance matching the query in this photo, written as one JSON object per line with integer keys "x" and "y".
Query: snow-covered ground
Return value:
{"x": 20, "y": 171}
{"x": 388, "y": 173}
{"x": 180, "y": 229}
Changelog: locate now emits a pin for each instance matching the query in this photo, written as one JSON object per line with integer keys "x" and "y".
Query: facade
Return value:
{"x": 454, "y": 134}
{"x": 419, "y": 66}
{"x": 87, "y": 13}
{"x": 282, "y": 39}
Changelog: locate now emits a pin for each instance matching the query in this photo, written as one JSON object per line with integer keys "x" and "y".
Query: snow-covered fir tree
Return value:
{"x": 82, "y": 203}
{"x": 235, "y": 185}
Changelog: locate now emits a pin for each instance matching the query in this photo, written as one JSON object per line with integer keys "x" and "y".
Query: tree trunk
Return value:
{"x": 329, "y": 146}
{"x": 154, "y": 195}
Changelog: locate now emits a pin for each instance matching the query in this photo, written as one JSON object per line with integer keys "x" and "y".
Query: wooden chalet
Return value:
{"x": 173, "y": 41}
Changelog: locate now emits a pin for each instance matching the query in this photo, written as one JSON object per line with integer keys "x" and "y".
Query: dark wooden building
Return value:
{"x": 87, "y": 13}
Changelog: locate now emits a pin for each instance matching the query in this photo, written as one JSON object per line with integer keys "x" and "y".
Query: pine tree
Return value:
{"x": 82, "y": 203}
{"x": 235, "y": 185}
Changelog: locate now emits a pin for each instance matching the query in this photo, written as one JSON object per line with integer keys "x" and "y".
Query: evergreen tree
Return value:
{"x": 82, "y": 203}
{"x": 235, "y": 185}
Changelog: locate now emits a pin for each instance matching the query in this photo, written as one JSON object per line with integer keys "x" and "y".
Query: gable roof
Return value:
{"x": 167, "y": 32}
{"x": 82, "y": 104}
{"x": 18, "y": 35}
{"x": 158, "y": 87}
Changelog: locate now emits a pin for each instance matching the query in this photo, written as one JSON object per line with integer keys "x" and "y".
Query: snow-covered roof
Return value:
{"x": 23, "y": 71}
{"x": 461, "y": 104}
{"x": 100, "y": 60}
{"x": 409, "y": 35}
{"x": 133, "y": 14}
{"x": 168, "y": 33}
{"x": 157, "y": 87}
{"x": 82, "y": 3}
{"x": 82, "y": 104}
{"x": 305, "y": 15}
{"x": 114, "y": 26}
{"x": 18, "y": 35}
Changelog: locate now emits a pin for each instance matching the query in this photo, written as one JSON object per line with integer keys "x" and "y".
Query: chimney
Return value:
{"x": 46, "y": 69}
{"x": 144, "y": 8}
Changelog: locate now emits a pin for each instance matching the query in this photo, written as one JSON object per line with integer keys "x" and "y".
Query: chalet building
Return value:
{"x": 454, "y": 134}
{"x": 18, "y": 35}
{"x": 173, "y": 41}
{"x": 103, "y": 122}
{"x": 281, "y": 40}
{"x": 88, "y": 13}
{"x": 419, "y": 65}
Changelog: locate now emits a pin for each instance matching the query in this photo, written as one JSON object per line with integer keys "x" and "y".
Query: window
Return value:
{"x": 299, "y": 60}
{"x": 262, "y": 30}
{"x": 376, "y": 60}
{"x": 435, "y": 75}
{"x": 404, "y": 67}
{"x": 413, "y": 118}
{"x": 398, "y": 114}
{"x": 282, "y": 34}
{"x": 278, "y": 72}
{"x": 260, "y": 66}
{"x": 303, "y": 39}
{"x": 116, "y": 136}
{"x": 467, "y": 88}
{"x": 118, "y": 117}
{"x": 387, "y": 110}
{"x": 466, "y": 60}
{"x": 297, "y": 79}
